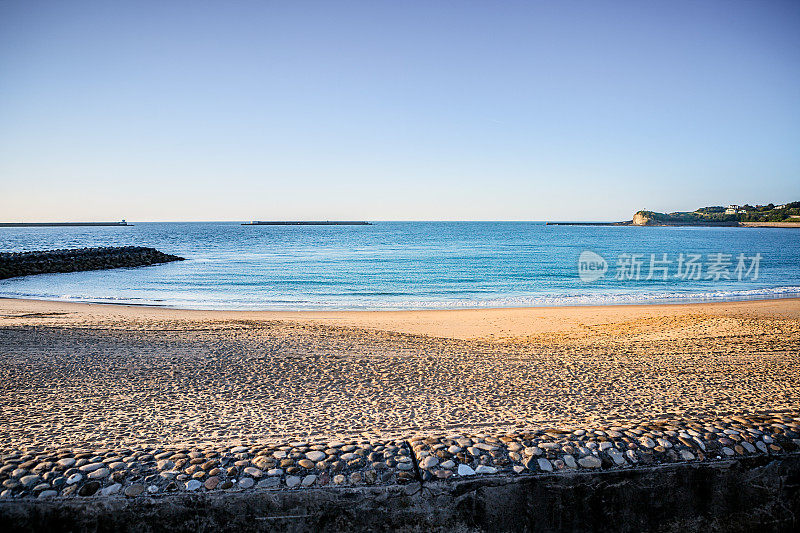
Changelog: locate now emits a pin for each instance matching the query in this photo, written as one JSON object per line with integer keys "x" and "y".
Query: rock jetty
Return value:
{"x": 13, "y": 264}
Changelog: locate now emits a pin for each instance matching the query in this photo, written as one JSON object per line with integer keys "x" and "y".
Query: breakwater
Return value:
{"x": 307, "y": 223}
{"x": 587, "y": 223}
{"x": 59, "y": 224}
{"x": 13, "y": 264}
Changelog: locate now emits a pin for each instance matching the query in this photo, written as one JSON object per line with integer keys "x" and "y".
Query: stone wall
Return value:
{"x": 76, "y": 260}
{"x": 745, "y": 494}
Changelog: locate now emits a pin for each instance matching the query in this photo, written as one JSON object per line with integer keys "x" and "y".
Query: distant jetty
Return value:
{"x": 59, "y": 224}
{"x": 307, "y": 223}
{"x": 14, "y": 264}
{"x": 587, "y": 223}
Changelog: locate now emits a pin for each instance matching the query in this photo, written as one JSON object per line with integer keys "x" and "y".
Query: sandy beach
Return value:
{"x": 100, "y": 374}
{"x": 112, "y": 399}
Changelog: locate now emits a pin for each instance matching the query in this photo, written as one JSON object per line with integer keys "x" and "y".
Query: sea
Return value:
{"x": 418, "y": 265}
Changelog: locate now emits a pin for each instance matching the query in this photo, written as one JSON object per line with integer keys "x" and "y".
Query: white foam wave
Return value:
{"x": 188, "y": 301}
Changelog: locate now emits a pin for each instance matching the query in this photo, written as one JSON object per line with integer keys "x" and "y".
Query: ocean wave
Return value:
{"x": 373, "y": 301}
{"x": 607, "y": 299}
{"x": 401, "y": 266}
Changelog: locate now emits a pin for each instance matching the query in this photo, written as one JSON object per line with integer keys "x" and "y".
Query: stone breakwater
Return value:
{"x": 150, "y": 471}
{"x": 13, "y": 264}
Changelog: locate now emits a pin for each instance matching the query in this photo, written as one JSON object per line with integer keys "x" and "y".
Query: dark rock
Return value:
{"x": 13, "y": 264}
{"x": 134, "y": 490}
{"x": 88, "y": 489}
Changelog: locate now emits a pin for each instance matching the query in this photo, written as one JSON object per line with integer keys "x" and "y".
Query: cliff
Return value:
{"x": 681, "y": 218}
{"x": 640, "y": 218}
{"x": 721, "y": 216}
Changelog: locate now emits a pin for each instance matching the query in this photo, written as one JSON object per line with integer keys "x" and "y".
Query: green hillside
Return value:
{"x": 723, "y": 216}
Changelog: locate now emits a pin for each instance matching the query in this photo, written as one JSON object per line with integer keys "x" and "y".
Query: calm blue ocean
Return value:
{"x": 415, "y": 265}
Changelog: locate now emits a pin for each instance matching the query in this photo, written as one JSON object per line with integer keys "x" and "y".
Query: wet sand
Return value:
{"x": 495, "y": 323}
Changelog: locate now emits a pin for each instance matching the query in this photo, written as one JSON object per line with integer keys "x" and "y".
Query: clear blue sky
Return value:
{"x": 395, "y": 110}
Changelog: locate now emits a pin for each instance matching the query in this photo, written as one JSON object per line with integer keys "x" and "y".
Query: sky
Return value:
{"x": 393, "y": 110}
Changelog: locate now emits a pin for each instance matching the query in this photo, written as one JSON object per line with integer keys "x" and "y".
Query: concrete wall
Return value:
{"x": 751, "y": 494}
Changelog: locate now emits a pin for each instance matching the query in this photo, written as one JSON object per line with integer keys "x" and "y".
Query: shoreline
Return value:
{"x": 770, "y": 224}
{"x": 492, "y": 323}
{"x": 689, "y": 300}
